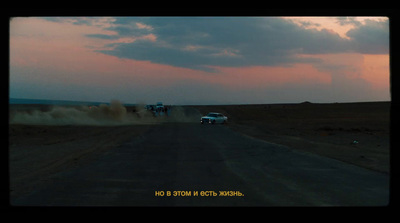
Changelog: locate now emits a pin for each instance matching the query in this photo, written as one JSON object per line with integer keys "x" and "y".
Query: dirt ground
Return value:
{"x": 357, "y": 133}
{"x": 38, "y": 151}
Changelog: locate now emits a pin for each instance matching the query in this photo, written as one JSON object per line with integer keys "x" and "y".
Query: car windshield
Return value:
{"x": 212, "y": 115}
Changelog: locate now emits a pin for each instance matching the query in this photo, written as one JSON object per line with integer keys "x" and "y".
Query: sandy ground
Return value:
{"x": 357, "y": 133}
{"x": 38, "y": 151}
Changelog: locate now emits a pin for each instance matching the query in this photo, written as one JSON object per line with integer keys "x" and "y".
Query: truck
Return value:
{"x": 159, "y": 105}
{"x": 158, "y": 110}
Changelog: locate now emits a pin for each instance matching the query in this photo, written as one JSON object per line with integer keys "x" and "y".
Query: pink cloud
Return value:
{"x": 264, "y": 76}
{"x": 144, "y": 26}
{"x": 373, "y": 69}
{"x": 376, "y": 70}
{"x": 331, "y": 24}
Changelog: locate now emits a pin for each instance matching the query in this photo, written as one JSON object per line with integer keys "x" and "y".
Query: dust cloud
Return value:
{"x": 103, "y": 115}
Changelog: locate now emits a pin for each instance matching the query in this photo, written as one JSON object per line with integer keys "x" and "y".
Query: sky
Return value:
{"x": 200, "y": 60}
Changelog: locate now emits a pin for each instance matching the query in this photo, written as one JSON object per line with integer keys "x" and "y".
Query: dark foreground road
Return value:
{"x": 204, "y": 159}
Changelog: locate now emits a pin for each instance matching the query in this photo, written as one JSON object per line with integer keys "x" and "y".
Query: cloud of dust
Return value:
{"x": 181, "y": 114}
{"x": 113, "y": 114}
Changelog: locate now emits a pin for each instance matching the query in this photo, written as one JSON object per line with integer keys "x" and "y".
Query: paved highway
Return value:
{"x": 201, "y": 161}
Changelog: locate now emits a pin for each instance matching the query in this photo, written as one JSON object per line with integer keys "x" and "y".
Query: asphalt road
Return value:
{"x": 203, "y": 160}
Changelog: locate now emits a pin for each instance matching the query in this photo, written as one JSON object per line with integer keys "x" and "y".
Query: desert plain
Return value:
{"x": 355, "y": 133}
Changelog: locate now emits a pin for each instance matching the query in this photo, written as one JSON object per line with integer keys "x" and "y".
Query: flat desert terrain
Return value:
{"x": 355, "y": 133}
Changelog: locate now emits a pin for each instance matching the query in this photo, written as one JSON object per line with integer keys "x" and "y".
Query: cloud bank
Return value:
{"x": 202, "y": 42}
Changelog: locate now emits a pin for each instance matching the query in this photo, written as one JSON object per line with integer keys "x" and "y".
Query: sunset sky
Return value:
{"x": 200, "y": 60}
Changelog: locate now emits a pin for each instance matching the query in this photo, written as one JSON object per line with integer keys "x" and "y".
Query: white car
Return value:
{"x": 213, "y": 118}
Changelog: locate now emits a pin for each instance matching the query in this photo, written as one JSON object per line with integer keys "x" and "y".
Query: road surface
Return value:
{"x": 203, "y": 160}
